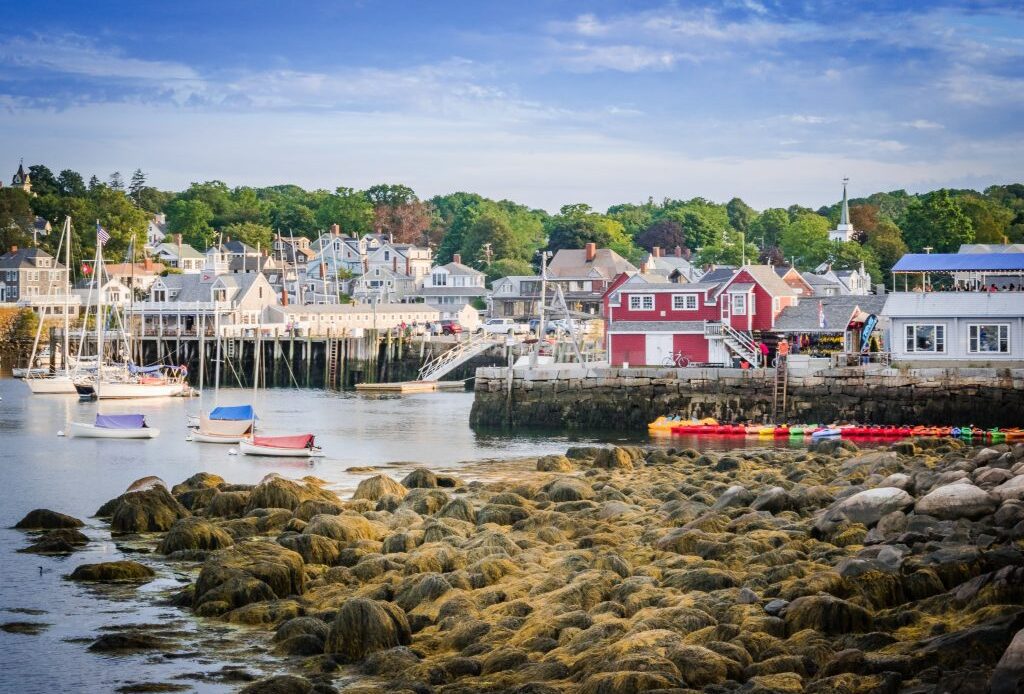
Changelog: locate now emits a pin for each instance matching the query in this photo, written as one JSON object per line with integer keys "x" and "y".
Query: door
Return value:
{"x": 659, "y": 347}
{"x": 726, "y": 307}
{"x": 718, "y": 353}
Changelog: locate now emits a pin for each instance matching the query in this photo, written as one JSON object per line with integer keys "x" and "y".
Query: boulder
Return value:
{"x": 774, "y": 500}
{"x": 955, "y": 501}
{"x": 568, "y": 489}
{"x": 614, "y": 458}
{"x": 826, "y": 614}
{"x": 59, "y": 541}
{"x": 250, "y": 571}
{"x": 200, "y": 480}
{"x": 373, "y": 488}
{"x": 420, "y": 478}
{"x": 314, "y": 507}
{"x": 45, "y": 519}
{"x": 1008, "y": 676}
{"x": 192, "y": 534}
{"x": 425, "y": 502}
{"x": 280, "y": 684}
{"x": 1011, "y": 489}
{"x": 146, "y": 510}
{"x": 501, "y": 514}
{"x": 735, "y": 495}
{"x": 229, "y": 504}
{"x": 314, "y": 549}
{"x": 363, "y": 626}
{"x": 459, "y": 509}
{"x": 274, "y": 491}
{"x": 554, "y": 463}
{"x": 113, "y": 572}
{"x": 865, "y": 507}
{"x": 344, "y": 528}
{"x": 699, "y": 666}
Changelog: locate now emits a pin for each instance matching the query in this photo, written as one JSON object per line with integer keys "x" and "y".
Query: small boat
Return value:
{"x": 827, "y": 433}
{"x": 115, "y": 426}
{"x": 23, "y": 372}
{"x": 225, "y": 425}
{"x": 150, "y": 388}
{"x": 298, "y": 446}
{"x": 766, "y": 431}
{"x": 51, "y": 385}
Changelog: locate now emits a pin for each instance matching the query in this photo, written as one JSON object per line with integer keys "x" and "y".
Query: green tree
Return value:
{"x": 71, "y": 184}
{"x": 730, "y": 250}
{"x": 990, "y": 220}
{"x": 936, "y": 221}
{"x": 577, "y": 225}
{"x": 43, "y": 180}
{"x": 26, "y": 323}
{"x": 490, "y": 228}
{"x": 851, "y": 256}
{"x": 766, "y": 230}
{"x": 886, "y": 242}
{"x": 256, "y": 235}
{"x": 15, "y": 218}
{"x": 119, "y": 216}
{"x": 136, "y": 185}
{"x": 292, "y": 217}
{"x": 635, "y": 219}
{"x": 390, "y": 195}
{"x": 664, "y": 233}
{"x": 698, "y": 230}
{"x": 116, "y": 182}
{"x": 152, "y": 200}
{"x": 191, "y": 219}
{"x": 507, "y": 267}
{"x": 806, "y": 239}
{"x": 347, "y": 208}
{"x": 741, "y": 215}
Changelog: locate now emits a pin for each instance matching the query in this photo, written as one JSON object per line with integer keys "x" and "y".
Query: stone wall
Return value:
{"x": 627, "y": 399}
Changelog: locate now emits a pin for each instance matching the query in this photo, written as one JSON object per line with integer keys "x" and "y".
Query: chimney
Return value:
{"x": 177, "y": 239}
{"x": 408, "y": 268}
{"x": 457, "y": 258}
{"x": 656, "y": 251}
{"x": 147, "y": 263}
{"x": 284, "y": 295}
{"x": 679, "y": 251}
{"x": 335, "y": 230}
{"x": 323, "y": 270}
{"x": 591, "y": 251}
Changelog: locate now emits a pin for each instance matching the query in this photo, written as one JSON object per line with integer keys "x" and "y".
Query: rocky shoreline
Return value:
{"x": 605, "y": 570}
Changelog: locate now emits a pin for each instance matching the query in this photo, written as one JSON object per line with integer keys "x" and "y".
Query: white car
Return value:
{"x": 501, "y": 326}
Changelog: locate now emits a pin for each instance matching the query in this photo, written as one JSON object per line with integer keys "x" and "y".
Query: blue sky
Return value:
{"x": 544, "y": 102}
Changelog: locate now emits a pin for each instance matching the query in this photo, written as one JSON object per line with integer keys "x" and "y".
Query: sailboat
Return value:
{"x": 42, "y": 381}
{"x": 115, "y": 426}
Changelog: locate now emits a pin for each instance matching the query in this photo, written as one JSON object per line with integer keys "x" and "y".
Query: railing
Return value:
{"x": 460, "y": 353}
{"x": 179, "y": 306}
{"x": 744, "y": 343}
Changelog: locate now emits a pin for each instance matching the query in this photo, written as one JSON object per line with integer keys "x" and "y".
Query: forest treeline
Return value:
{"x": 502, "y": 237}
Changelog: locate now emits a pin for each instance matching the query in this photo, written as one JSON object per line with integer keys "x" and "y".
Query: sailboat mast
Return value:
{"x": 98, "y": 275}
{"x": 216, "y": 364}
{"x": 67, "y": 293}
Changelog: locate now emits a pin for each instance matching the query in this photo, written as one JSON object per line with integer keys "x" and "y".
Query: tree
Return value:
{"x": 390, "y": 195}
{"x": 664, "y": 233}
{"x": 405, "y": 222}
{"x": 772, "y": 256}
{"x": 136, "y": 185}
{"x": 886, "y": 242}
{"x": 191, "y": 219}
{"x": 506, "y": 267}
{"x": 116, "y": 182}
{"x": 577, "y": 225}
{"x": 635, "y": 219}
{"x": 70, "y": 184}
{"x": 768, "y": 227}
{"x": 294, "y": 218}
{"x": 347, "y": 208}
{"x": 15, "y": 218}
{"x": 94, "y": 182}
{"x": 991, "y": 221}
{"x": 741, "y": 215}
{"x": 936, "y": 221}
{"x": 851, "y": 256}
{"x": 730, "y": 250}
{"x": 43, "y": 181}
{"x": 152, "y": 200}
{"x": 865, "y": 219}
{"x": 806, "y": 239}
{"x": 256, "y": 235}
{"x": 491, "y": 227}
{"x": 119, "y": 216}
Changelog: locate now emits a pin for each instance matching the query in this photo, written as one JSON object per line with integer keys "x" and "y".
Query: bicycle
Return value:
{"x": 677, "y": 360}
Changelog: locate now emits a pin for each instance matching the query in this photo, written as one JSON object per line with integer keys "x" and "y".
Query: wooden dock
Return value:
{"x": 411, "y": 387}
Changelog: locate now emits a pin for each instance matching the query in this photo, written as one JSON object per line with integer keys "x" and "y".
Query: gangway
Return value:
{"x": 458, "y": 355}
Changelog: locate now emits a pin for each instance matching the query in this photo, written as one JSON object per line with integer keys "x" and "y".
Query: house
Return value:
{"x": 584, "y": 275}
{"x": 179, "y": 255}
{"x": 412, "y": 261}
{"x": 855, "y": 282}
{"x": 180, "y": 304}
{"x": 451, "y": 287}
{"x": 707, "y": 321}
{"x": 844, "y": 231}
{"x": 140, "y": 276}
{"x": 22, "y": 179}
{"x": 791, "y": 276}
{"x": 115, "y": 292}
{"x": 821, "y": 326}
{"x": 40, "y": 227}
{"x": 293, "y": 251}
{"x": 30, "y": 272}
{"x": 821, "y": 285}
{"x": 340, "y": 319}
{"x": 956, "y": 328}
{"x": 380, "y": 285}
{"x": 156, "y": 230}
{"x": 515, "y": 296}
{"x": 674, "y": 268}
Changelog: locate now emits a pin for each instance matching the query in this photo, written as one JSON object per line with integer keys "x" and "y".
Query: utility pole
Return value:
{"x": 488, "y": 254}
{"x": 543, "y": 299}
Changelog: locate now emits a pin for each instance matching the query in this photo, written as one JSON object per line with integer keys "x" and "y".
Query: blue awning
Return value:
{"x": 960, "y": 262}
{"x": 237, "y": 413}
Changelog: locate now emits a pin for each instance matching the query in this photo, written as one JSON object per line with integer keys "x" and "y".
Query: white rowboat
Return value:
{"x": 280, "y": 446}
{"x": 91, "y": 431}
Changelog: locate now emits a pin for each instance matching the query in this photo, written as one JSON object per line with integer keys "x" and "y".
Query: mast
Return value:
{"x": 216, "y": 364}
{"x": 97, "y": 274}
{"x": 67, "y": 293}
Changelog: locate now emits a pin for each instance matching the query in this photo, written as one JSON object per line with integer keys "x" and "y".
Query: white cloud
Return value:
{"x": 623, "y": 58}
{"x": 923, "y": 124}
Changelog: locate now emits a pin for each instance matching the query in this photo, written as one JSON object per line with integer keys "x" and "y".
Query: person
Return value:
{"x": 784, "y": 348}
{"x": 763, "y": 348}
{"x": 744, "y": 364}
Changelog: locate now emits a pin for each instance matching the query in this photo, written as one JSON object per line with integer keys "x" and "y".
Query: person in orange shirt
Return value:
{"x": 783, "y": 348}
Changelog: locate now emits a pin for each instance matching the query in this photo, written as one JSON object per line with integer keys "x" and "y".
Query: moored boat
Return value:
{"x": 225, "y": 425}
{"x": 297, "y": 446}
{"x": 114, "y": 426}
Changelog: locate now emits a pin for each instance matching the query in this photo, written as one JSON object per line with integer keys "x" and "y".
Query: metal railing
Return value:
{"x": 462, "y": 352}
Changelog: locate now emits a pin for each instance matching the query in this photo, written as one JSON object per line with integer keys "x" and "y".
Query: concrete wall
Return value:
{"x": 627, "y": 399}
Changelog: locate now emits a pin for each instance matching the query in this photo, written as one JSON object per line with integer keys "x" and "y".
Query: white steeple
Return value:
{"x": 844, "y": 230}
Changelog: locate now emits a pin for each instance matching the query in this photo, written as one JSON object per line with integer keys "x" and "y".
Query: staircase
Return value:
{"x": 741, "y": 344}
{"x": 449, "y": 360}
{"x": 781, "y": 384}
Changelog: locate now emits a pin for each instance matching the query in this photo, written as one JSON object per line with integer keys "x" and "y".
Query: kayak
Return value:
{"x": 827, "y": 433}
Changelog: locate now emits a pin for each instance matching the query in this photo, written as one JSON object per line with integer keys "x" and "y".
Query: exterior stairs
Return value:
{"x": 741, "y": 344}
{"x": 451, "y": 359}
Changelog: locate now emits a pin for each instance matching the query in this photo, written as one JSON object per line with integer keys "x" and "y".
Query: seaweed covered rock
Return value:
{"x": 194, "y": 534}
{"x": 554, "y": 463}
{"x": 378, "y": 486}
{"x": 113, "y": 572}
{"x": 251, "y": 571}
{"x": 420, "y": 478}
{"x": 146, "y": 510}
{"x": 344, "y": 528}
{"x": 45, "y": 519}
{"x": 277, "y": 492}
{"x": 826, "y": 614}
{"x": 58, "y": 541}
{"x": 568, "y": 489}
{"x": 363, "y": 626}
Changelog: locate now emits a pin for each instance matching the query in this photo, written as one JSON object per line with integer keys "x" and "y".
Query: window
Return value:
{"x": 641, "y": 302}
{"x": 684, "y": 302}
{"x": 926, "y": 338}
{"x": 159, "y": 295}
{"x": 993, "y": 338}
{"x": 387, "y": 255}
{"x": 439, "y": 279}
{"x": 739, "y": 304}
{"x": 220, "y": 294}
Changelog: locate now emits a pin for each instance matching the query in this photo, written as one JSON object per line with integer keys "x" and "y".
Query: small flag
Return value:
{"x": 102, "y": 235}
{"x": 822, "y": 323}
{"x": 86, "y": 269}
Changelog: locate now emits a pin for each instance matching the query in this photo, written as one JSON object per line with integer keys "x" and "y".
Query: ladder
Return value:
{"x": 333, "y": 354}
{"x": 781, "y": 384}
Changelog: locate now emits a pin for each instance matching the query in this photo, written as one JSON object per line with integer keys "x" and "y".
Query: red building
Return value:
{"x": 708, "y": 322}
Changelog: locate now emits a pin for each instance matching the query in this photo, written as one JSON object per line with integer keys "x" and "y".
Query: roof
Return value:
{"x": 991, "y": 248}
{"x": 451, "y": 291}
{"x": 838, "y": 310}
{"x": 572, "y": 262}
{"x": 460, "y": 269}
{"x": 766, "y": 277}
{"x": 126, "y": 269}
{"x": 960, "y": 262}
{"x": 237, "y": 246}
{"x": 954, "y": 304}
{"x": 186, "y": 250}
{"x": 718, "y": 274}
{"x": 647, "y": 286}
{"x": 192, "y": 288}
{"x": 24, "y": 258}
{"x": 817, "y": 280}
{"x": 356, "y": 308}
{"x": 644, "y": 326}
{"x": 740, "y": 287}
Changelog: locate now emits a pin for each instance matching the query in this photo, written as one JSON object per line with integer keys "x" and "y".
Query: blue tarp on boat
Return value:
{"x": 132, "y": 368}
{"x": 236, "y": 413}
{"x": 121, "y": 421}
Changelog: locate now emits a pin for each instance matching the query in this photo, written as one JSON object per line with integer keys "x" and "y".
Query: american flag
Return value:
{"x": 102, "y": 235}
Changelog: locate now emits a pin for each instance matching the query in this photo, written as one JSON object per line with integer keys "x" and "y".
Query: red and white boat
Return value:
{"x": 297, "y": 446}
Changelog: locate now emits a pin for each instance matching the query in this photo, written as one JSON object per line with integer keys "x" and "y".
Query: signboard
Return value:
{"x": 865, "y": 334}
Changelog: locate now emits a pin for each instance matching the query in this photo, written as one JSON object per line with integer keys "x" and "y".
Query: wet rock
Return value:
{"x": 568, "y": 489}
{"x": 1008, "y": 676}
{"x": 229, "y": 504}
{"x": 112, "y": 572}
{"x": 276, "y": 492}
{"x": 251, "y": 571}
{"x": 373, "y": 488}
{"x": 1011, "y": 489}
{"x": 390, "y": 661}
{"x": 26, "y": 628}
{"x": 459, "y": 509}
{"x": 865, "y": 507}
{"x": 192, "y": 534}
{"x": 45, "y": 519}
{"x": 147, "y": 510}
{"x": 281, "y": 684}
{"x": 59, "y": 541}
{"x": 826, "y": 614}
{"x": 554, "y": 463}
{"x": 314, "y": 549}
{"x": 420, "y": 478}
{"x": 953, "y": 501}
{"x": 128, "y": 641}
{"x": 614, "y": 458}
{"x": 344, "y": 528}
{"x": 364, "y": 626}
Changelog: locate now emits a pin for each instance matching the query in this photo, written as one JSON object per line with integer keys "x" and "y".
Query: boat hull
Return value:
{"x": 58, "y": 385}
{"x": 249, "y": 448}
{"x": 124, "y": 391}
{"x": 203, "y": 437}
{"x": 91, "y": 431}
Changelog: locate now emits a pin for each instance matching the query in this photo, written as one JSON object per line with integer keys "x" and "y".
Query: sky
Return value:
{"x": 544, "y": 102}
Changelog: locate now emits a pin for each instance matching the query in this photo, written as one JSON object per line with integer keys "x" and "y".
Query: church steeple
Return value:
{"x": 844, "y": 216}
{"x": 22, "y": 179}
{"x": 844, "y": 230}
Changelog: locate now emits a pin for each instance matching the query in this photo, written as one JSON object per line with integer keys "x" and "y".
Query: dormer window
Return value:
{"x": 387, "y": 255}
{"x": 220, "y": 294}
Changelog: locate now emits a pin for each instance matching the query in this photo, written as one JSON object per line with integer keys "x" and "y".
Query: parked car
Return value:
{"x": 501, "y": 326}
{"x": 449, "y": 327}
{"x": 549, "y": 326}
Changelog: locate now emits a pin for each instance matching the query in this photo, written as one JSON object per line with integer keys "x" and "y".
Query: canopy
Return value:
{"x": 297, "y": 442}
{"x": 960, "y": 262}
{"x": 234, "y": 413}
{"x": 121, "y": 421}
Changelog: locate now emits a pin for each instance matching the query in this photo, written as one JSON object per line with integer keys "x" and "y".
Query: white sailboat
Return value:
{"x": 42, "y": 382}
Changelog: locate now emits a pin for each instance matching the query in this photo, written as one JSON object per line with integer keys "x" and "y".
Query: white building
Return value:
{"x": 179, "y": 255}
{"x": 844, "y": 231}
{"x": 346, "y": 319}
{"x": 450, "y": 288}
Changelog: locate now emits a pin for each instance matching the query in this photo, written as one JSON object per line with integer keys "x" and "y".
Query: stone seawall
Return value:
{"x": 627, "y": 399}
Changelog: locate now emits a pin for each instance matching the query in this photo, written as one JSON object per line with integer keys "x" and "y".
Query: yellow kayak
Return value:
{"x": 766, "y": 431}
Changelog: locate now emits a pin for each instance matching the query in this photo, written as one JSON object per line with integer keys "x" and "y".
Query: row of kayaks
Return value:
{"x": 710, "y": 427}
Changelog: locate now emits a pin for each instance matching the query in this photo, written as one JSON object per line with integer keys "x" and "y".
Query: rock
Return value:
{"x": 276, "y": 492}
{"x": 554, "y": 463}
{"x": 200, "y": 480}
{"x": 614, "y": 458}
{"x": 501, "y": 514}
{"x": 425, "y": 502}
{"x": 112, "y": 572}
{"x": 865, "y": 507}
{"x": 459, "y": 509}
{"x": 391, "y": 661}
{"x": 954, "y": 501}
{"x": 192, "y": 534}
{"x": 373, "y": 488}
{"x": 699, "y": 666}
{"x": 364, "y": 626}
{"x": 985, "y": 455}
{"x": 989, "y": 477}
{"x": 775, "y": 607}
{"x": 302, "y": 625}
{"x": 625, "y": 682}
{"x": 1008, "y": 676}
{"x": 229, "y": 504}
{"x": 128, "y": 641}
{"x": 314, "y": 549}
{"x": 315, "y": 507}
{"x": 747, "y": 597}
{"x": 568, "y": 489}
{"x": 826, "y": 614}
{"x": 280, "y": 684}
{"x": 147, "y": 510}
{"x": 736, "y": 495}
{"x": 419, "y": 478}
{"x": 251, "y": 571}
{"x": 344, "y": 528}
{"x": 774, "y": 500}
{"x": 1009, "y": 514}
{"x": 59, "y": 541}
{"x": 1011, "y": 489}
{"x": 45, "y": 519}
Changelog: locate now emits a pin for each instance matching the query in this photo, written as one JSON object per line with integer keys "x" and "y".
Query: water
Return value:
{"x": 75, "y": 476}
